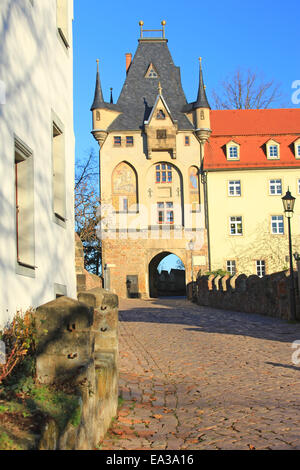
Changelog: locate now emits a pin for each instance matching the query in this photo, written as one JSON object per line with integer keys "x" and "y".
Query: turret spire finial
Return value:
{"x": 202, "y": 101}
{"x": 98, "y": 97}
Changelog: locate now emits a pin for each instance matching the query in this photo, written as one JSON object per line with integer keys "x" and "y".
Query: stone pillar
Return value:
{"x": 105, "y": 329}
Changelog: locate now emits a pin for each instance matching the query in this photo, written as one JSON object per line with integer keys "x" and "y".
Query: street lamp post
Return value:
{"x": 288, "y": 205}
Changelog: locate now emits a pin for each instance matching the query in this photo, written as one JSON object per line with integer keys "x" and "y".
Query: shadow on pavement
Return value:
{"x": 179, "y": 311}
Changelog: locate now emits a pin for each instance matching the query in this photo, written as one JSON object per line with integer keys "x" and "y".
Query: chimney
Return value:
{"x": 128, "y": 60}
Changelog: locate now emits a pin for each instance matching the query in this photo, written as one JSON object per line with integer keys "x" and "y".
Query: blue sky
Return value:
{"x": 262, "y": 35}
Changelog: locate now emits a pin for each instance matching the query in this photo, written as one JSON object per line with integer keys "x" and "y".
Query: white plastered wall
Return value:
{"x": 37, "y": 70}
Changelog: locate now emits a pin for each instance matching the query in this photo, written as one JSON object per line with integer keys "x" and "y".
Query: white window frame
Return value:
{"x": 273, "y": 151}
{"x": 235, "y": 186}
{"x": 59, "y": 171}
{"x": 297, "y": 148}
{"x": 166, "y": 209}
{"x": 298, "y": 185}
{"x": 163, "y": 173}
{"x": 271, "y": 145}
{"x": 231, "y": 267}
{"x": 237, "y": 223}
{"x": 260, "y": 267}
{"x": 277, "y": 221}
{"x": 25, "y": 216}
{"x": 232, "y": 151}
{"x": 275, "y": 184}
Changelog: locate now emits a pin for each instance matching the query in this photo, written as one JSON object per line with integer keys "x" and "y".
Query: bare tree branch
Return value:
{"x": 245, "y": 90}
{"x": 86, "y": 211}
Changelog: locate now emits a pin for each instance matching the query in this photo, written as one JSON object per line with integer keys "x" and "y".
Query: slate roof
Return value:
{"x": 139, "y": 94}
{"x": 98, "y": 97}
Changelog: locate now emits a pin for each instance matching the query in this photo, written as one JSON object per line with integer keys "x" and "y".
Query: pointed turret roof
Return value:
{"x": 202, "y": 101}
{"x": 98, "y": 98}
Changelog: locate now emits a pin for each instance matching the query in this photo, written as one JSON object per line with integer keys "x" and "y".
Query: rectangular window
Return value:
{"x": 59, "y": 183}
{"x": 234, "y": 188}
{"x": 129, "y": 141}
{"x": 273, "y": 151}
{"x": 165, "y": 213}
{"x": 275, "y": 187}
{"x": 233, "y": 152}
{"x": 231, "y": 267}
{"x": 117, "y": 141}
{"x": 236, "y": 226}
{"x": 161, "y": 134}
{"x": 24, "y": 199}
{"x": 260, "y": 268}
{"x": 187, "y": 140}
{"x": 63, "y": 20}
{"x": 277, "y": 226}
{"x": 163, "y": 173}
{"x": 298, "y": 181}
{"x": 298, "y": 151}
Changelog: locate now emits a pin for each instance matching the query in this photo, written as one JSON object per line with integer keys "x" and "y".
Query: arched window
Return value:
{"x": 194, "y": 188}
{"x": 124, "y": 188}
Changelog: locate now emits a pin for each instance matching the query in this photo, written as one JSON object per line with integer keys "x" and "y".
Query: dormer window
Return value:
{"x": 273, "y": 150}
{"x": 297, "y": 148}
{"x": 151, "y": 72}
{"x": 160, "y": 114}
{"x": 232, "y": 151}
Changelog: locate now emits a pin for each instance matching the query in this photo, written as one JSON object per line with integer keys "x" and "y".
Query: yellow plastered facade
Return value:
{"x": 256, "y": 206}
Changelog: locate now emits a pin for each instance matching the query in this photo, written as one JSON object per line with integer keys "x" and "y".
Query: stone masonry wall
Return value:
{"x": 85, "y": 280}
{"x": 269, "y": 295}
{"x": 78, "y": 345}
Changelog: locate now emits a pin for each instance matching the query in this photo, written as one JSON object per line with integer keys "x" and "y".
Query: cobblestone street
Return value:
{"x": 197, "y": 378}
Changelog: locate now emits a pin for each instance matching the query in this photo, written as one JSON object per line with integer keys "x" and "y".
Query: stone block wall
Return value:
{"x": 85, "y": 280}
{"x": 269, "y": 295}
{"x": 78, "y": 345}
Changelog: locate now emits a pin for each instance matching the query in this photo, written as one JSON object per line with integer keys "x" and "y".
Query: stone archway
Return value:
{"x": 175, "y": 284}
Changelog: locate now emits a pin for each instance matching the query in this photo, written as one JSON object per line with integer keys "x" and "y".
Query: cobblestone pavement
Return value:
{"x": 193, "y": 377}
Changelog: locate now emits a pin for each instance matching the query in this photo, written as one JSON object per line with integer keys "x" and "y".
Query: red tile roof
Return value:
{"x": 252, "y": 129}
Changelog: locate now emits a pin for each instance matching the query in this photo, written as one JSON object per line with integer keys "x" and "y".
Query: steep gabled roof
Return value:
{"x": 158, "y": 99}
{"x": 139, "y": 93}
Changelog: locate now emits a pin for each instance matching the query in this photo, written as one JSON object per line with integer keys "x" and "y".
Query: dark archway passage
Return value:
{"x": 166, "y": 282}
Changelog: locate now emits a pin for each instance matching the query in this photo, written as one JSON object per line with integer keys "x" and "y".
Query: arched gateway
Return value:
{"x": 166, "y": 283}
